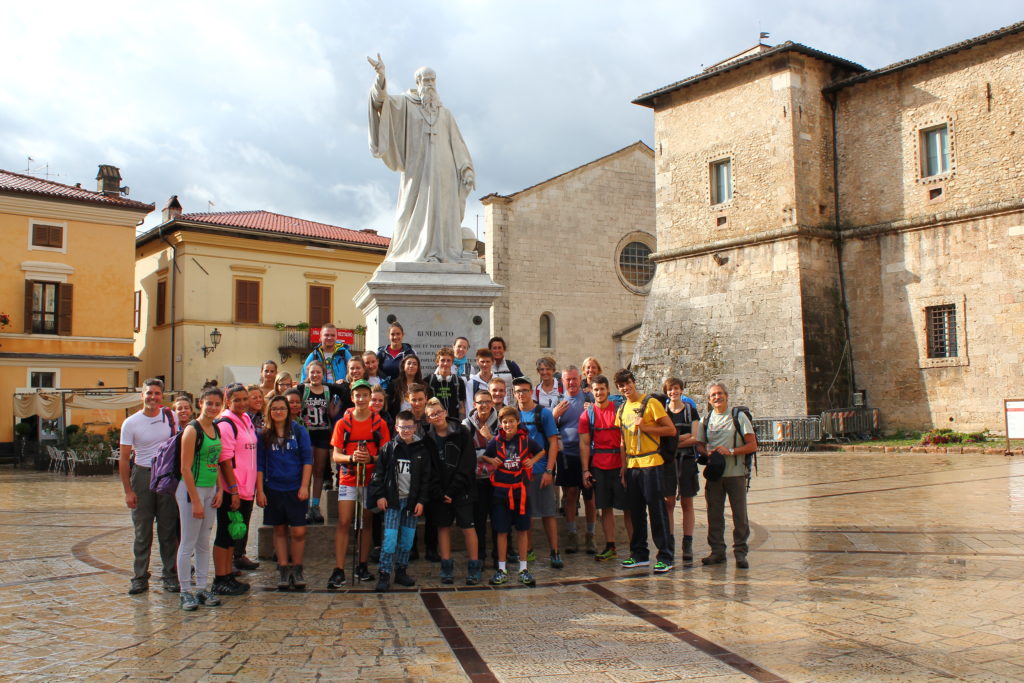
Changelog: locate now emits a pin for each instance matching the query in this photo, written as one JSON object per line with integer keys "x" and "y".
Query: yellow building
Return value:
{"x": 67, "y": 290}
{"x": 257, "y": 278}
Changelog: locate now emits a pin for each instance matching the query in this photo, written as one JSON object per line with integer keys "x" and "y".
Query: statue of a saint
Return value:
{"x": 416, "y": 135}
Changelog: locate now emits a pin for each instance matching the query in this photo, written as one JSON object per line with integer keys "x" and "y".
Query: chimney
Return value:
{"x": 108, "y": 180}
{"x": 171, "y": 210}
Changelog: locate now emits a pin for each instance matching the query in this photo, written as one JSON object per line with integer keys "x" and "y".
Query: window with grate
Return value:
{"x": 941, "y": 331}
{"x": 636, "y": 265}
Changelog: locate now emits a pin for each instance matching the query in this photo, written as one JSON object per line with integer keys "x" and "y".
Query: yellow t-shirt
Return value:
{"x": 637, "y": 442}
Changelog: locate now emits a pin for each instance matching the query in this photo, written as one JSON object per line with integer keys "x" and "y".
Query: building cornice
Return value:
{"x": 70, "y": 210}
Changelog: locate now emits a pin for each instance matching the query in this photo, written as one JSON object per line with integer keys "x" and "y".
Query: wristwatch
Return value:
{"x": 551, "y": 472}
{"x": 732, "y": 451}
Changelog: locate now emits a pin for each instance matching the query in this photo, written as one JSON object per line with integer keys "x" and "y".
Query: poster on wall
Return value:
{"x": 344, "y": 336}
{"x": 1014, "y": 411}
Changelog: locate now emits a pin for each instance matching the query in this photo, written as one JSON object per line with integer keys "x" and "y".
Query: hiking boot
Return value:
{"x": 245, "y": 564}
{"x": 171, "y": 584}
{"x": 500, "y": 578}
{"x": 556, "y": 560}
{"x": 314, "y": 516}
{"x": 363, "y": 573}
{"x": 526, "y": 578}
{"x": 284, "y": 580}
{"x": 337, "y": 579}
{"x": 713, "y": 559}
{"x": 606, "y": 555}
{"x": 432, "y": 555}
{"x": 633, "y": 563}
{"x": 241, "y": 585}
{"x": 138, "y": 586}
{"x": 572, "y": 542}
{"x": 741, "y": 561}
{"x": 207, "y": 598}
{"x": 473, "y": 571}
{"x": 402, "y": 578}
{"x": 687, "y": 550}
{"x": 189, "y": 602}
{"x": 229, "y": 587}
{"x": 447, "y": 571}
{"x": 383, "y": 582}
{"x": 297, "y": 580}
{"x": 662, "y": 567}
{"x": 588, "y": 544}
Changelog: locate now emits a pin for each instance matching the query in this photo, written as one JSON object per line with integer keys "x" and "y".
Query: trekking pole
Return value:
{"x": 358, "y": 519}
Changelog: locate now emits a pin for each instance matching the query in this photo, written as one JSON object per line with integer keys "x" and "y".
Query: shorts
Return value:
{"x": 460, "y": 513}
{"x": 503, "y": 519}
{"x": 689, "y": 479}
{"x": 284, "y": 507}
{"x": 320, "y": 438}
{"x": 608, "y": 489}
{"x": 570, "y": 473}
{"x": 669, "y": 478}
{"x": 541, "y": 502}
{"x": 348, "y": 492}
{"x": 222, "y": 539}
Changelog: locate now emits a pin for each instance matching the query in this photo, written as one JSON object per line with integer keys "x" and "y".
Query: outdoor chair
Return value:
{"x": 72, "y": 459}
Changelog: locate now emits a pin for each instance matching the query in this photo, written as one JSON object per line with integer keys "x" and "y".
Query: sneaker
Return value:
{"x": 171, "y": 584}
{"x": 245, "y": 564}
{"x": 588, "y": 543}
{"x": 572, "y": 543}
{"x": 741, "y": 562}
{"x": 402, "y": 578}
{"x": 314, "y": 516}
{"x": 229, "y": 587}
{"x": 606, "y": 555}
{"x": 207, "y": 598}
{"x": 284, "y": 580}
{"x": 363, "y": 573}
{"x": 662, "y": 567}
{"x": 298, "y": 581}
{"x": 632, "y": 563}
{"x": 713, "y": 559}
{"x": 138, "y": 586}
{"x": 526, "y": 578}
{"x": 530, "y": 557}
{"x": 337, "y": 579}
{"x": 500, "y": 578}
{"x": 189, "y": 602}
{"x": 556, "y": 561}
{"x": 240, "y": 585}
{"x": 383, "y": 582}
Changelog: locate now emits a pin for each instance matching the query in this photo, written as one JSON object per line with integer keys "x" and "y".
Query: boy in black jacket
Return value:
{"x": 453, "y": 470}
{"x": 401, "y": 488}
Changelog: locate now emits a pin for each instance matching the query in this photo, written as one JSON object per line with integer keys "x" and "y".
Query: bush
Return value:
{"x": 938, "y": 437}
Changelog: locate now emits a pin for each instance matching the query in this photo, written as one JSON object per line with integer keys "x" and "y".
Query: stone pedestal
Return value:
{"x": 434, "y": 302}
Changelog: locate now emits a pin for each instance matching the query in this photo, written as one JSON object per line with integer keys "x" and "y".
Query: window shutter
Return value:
{"x": 247, "y": 301}
{"x": 64, "y": 298}
{"x": 29, "y": 287}
{"x": 319, "y": 305}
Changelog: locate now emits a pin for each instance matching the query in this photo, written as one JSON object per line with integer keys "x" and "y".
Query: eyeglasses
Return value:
{"x": 405, "y": 428}
{"x": 520, "y": 391}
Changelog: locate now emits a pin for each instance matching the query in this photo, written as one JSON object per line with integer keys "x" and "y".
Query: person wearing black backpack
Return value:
{"x": 730, "y": 435}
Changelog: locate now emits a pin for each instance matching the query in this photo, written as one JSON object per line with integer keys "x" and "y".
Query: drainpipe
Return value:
{"x": 174, "y": 272}
{"x": 834, "y": 104}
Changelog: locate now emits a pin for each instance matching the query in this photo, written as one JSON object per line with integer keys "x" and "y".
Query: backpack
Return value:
{"x": 166, "y": 470}
{"x": 622, "y": 428}
{"x": 750, "y": 459}
{"x": 670, "y": 444}
{"x": 558, "y": 385}
{"x": 375, "y": 422}
{"x": 594, "y": 429}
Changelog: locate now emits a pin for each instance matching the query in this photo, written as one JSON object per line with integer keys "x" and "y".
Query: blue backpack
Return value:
{"x": 166, "y": 471}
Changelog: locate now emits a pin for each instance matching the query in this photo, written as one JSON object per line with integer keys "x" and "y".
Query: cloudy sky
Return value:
{"x": 262, "y": 104}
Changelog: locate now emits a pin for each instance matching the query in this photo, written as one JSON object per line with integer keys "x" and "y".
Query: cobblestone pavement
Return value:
{"x": 863, "y": 567}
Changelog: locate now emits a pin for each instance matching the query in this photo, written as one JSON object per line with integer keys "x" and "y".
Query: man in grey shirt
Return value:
{"x": 143, "y": 433}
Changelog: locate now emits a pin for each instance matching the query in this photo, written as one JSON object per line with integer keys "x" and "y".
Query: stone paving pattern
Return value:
{"x": 864, "y": 567}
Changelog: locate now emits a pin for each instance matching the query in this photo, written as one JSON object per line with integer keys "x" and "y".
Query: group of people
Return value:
{"x": 474, "y": 442}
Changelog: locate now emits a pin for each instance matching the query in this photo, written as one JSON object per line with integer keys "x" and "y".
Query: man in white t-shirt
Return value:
{"x": 143, "y": 433}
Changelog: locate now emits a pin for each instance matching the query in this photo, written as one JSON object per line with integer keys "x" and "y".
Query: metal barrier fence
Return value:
{"x": 787, "y": 434}
{"x": 844, "y": 425}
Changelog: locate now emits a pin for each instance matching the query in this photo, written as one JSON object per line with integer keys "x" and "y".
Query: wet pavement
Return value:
{"x": 864, "y": 567}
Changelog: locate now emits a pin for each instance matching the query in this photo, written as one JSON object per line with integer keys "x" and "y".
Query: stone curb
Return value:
{"x": 940, "y": 450}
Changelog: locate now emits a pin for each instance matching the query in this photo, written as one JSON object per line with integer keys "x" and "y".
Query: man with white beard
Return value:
{"x": 413, "y": 133}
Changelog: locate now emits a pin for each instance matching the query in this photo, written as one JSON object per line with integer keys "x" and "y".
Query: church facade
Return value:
{"x": 825, "y": 229}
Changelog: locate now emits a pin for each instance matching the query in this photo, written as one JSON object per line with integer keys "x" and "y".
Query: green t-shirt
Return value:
{"x": 204, "y": 467}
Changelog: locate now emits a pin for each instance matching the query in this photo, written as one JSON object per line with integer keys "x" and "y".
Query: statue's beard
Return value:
{"x": 430, "y": 100}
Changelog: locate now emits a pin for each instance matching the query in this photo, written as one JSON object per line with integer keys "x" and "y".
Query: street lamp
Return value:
{"x": 215, "y": 337}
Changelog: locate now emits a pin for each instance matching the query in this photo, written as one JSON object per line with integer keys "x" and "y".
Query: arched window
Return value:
{"x": 547, "y": 331}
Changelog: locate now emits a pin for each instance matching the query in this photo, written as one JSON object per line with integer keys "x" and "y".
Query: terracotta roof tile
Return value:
{"x": 288, "y": 225}
{"x": 17, "y": 183}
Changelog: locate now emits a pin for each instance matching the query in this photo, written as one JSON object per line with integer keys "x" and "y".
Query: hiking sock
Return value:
{"x": 522, "y": 565}
{"x": 570, "y": 527}
{"x": 590, "y": 528}
{"x": 501, "y": 566}
{"x": 221, "y": 579}
{"x": 314, "y": 502}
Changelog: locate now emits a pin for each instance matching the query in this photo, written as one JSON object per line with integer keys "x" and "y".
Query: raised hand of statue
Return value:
{"x": 378, "y": 66}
